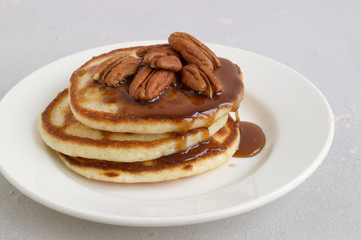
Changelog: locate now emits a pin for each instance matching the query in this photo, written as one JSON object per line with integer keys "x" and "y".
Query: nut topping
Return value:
{"x": 164, "y": 58}
{"x": 239, "y": 72}
{"x": 150, "y": 82}
{"x": 145, "y": 49}
{"x": 201, "y": 79}
{"x": 155, "y": 67}
{"x": 193, "y": 51}
{"x": 115, "y": 69}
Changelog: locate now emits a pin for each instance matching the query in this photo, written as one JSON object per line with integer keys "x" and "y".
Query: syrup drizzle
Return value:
{"x": 188, "y": 103}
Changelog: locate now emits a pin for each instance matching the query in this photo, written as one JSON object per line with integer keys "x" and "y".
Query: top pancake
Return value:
{"x": 177, "y": 109}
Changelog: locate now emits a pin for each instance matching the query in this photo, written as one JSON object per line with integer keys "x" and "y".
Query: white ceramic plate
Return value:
{"x": 294, "y": 115}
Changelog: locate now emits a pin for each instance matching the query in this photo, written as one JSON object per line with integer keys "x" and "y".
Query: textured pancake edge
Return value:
{"x": 113, "y": 150}
{"x": 144, "y": 126}
{"x": 182, "y": 170}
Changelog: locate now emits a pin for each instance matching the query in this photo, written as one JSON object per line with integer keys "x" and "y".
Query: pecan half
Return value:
{"x": 160, "y": 56}
{"x": 150, "y": 82}
{"x": 193, "y": 51}
{"x": 115, "y": 69}
{"x": 145, "y": 49}
{"x": 164, "y": 58}
{"x": 240, "y": 74}
{"x": 200, "y": 79}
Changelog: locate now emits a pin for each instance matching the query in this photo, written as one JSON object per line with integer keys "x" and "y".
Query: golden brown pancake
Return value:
{"x": 61, "y": 131}
{"x": 177, "y": 109}
{"x": 195, "y": 160}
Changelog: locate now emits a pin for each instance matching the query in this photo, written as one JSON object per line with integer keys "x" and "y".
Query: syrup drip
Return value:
{"x": 252, "y": 139}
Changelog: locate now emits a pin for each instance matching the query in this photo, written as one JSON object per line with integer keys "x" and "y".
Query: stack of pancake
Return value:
{"x": 102, "y": 133}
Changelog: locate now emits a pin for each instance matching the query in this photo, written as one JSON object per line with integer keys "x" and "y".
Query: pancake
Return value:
{"x": 196, "y": 160}
{"x": 61, "y": 131}
{"x": 177, "y": 109}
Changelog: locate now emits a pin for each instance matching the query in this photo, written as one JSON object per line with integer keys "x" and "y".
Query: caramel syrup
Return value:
{"x": 252, "y": 139}
{"x": 177, "y": 102}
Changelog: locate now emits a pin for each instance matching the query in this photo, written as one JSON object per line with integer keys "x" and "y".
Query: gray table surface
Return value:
{"x": 321, "y": 39}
